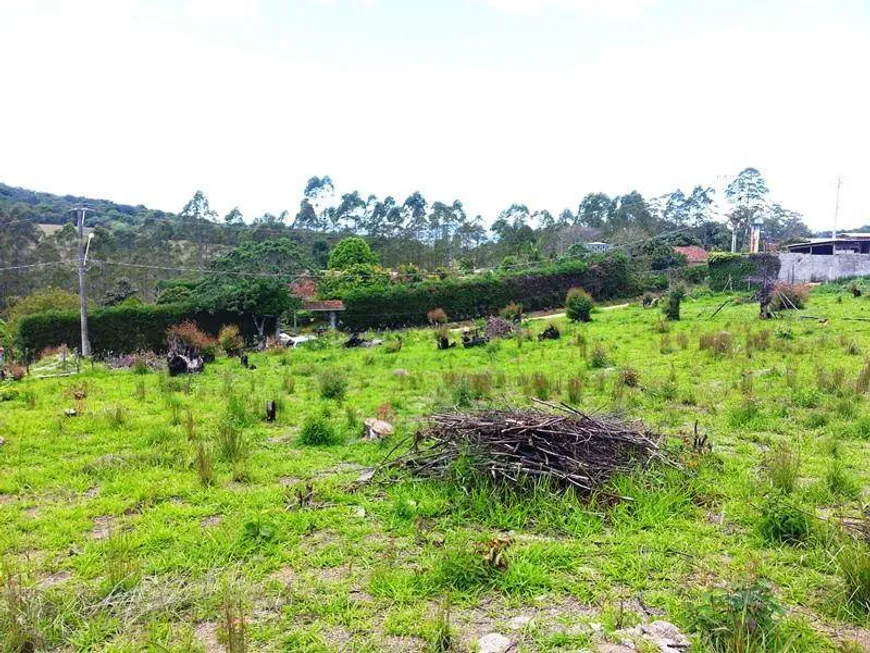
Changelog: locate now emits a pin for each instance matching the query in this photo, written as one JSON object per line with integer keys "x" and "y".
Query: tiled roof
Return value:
{"x": 693, "y": 253}
{"x": 323, "y": 305}
{"x": 305, "y": 287}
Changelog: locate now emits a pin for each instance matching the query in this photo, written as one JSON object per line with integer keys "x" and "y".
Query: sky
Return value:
{"x": 488, "y": 101}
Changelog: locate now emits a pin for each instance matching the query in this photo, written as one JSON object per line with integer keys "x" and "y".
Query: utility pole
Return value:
{"x": 836, "y": 213}
{"x": 83, "y": 302}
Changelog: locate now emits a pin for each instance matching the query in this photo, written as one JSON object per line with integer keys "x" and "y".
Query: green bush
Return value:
{"x": 782, "y": 522}
{"x": 122, "y": 329}
{"x": 579, "y": 305}
{"x": 317, "y": 431}
{"x": 671, "y": 308}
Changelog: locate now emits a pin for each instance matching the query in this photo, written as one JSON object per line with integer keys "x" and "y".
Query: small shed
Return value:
{"x": 330, "y": 306}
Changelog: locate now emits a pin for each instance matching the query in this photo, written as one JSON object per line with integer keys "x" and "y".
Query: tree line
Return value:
{"x": 134, "y": 247}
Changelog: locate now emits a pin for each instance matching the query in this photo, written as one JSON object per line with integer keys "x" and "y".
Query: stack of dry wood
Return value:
{"x": 570, "y": 449}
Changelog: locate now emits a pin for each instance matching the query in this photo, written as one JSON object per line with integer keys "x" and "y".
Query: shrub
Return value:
{"x": 437, "y": 316}
{"x": 671, "y": 308}
{"x": 578, "y": 305}
{"x": 230, "y": 339}
{"x": 512, "y": 311}
{"x": 738, "y": 618}
{"x": 629, "y": 377}
{"x": 787, "y": 296}
{"x": 333, "y": 384}
{"x": 318, "y": 431}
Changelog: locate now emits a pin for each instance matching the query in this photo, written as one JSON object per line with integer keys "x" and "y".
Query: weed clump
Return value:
{"x": 853, "y": 560}
{"x": 719, "y": 344}
{"x": 781, "y": 467}
{"x": 783, "y": 523}
{"x": 599, "y": 357}
{"x": 739, "y": 618}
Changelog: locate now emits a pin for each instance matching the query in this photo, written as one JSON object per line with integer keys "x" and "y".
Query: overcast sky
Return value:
{"x": 488, "y": 101}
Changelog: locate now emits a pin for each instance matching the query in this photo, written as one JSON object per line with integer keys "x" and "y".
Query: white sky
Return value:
{"x": 488, "y": 101}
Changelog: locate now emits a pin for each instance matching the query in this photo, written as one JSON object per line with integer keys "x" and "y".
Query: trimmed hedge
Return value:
{"x": 736, "y": 271}
{"x": 122, "y": 329}
{"x": 397, "y": 306}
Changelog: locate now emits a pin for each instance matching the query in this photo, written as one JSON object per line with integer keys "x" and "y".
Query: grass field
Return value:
{"x": 169, "y": 516}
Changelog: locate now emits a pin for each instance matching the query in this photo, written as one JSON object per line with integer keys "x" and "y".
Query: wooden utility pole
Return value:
{"x": 83, "y": 301}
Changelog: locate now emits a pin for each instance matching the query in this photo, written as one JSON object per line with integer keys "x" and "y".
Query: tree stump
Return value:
{"x": 271, "y": 411}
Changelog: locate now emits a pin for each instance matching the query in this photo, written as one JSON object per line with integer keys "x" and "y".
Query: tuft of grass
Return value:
{"x": 862, "y": 383}
{"x": 599, "y": 357}
{"x": 288, "y": 383}
{"x": 333, "y": 384}
{"x": 853, "y": 560}
{"x": 441, "y": 640}
{"x": 117, "y": 416}
{"x": 840, "y": 482}
{"x": 719, "y": 344}
{"x": 231, "y": 441}
{"x": 575, "y": 390}
{"x": 233, "y": 629}
{"x": 205, "y": 463}
{"x": 20, "y": 614}
{"x": 781, "y": 467}
{"x": 782, "y": 522}
{"x": 318, "y": 431}
{"x": 121, "y": 571}
{"x": 541, "y": 385}
{"x": 629, "y": 377}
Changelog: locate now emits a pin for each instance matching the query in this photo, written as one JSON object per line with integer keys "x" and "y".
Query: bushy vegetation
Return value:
{"x": 579, "y": 305}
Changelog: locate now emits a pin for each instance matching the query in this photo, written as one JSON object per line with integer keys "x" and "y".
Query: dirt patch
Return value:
{"x": 209, "y": 522}
{"x": 102, "y": 527}
{"x": 285, "y": 575}
{"x": 337, "y": 638}
{"x": 290, "y": 481}
{"x": 206, "y": 634}
{"x": 56, "y": 578}
{"x": 7, "y": 498}
{"x": 333, "y": 574}
{"x": 90, "y": 493}
{"x": 401, "y": 644}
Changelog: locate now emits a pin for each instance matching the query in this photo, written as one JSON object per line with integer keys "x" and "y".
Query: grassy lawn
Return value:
{"x": 115, "y": 534}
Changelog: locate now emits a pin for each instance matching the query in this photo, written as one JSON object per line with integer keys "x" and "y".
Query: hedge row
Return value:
{"x": 397, "y": 306}
{"x": 122, "y": 329}
{"x": 740, "y": 271}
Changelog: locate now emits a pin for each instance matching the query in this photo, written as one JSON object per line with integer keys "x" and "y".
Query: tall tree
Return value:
{"x": 747, "y": 194}
{"x": 197, "y": 215}
{"x": 595, "y": 210}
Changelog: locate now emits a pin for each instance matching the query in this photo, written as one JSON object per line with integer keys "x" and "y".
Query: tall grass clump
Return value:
{"x": 862, "y": 383}
{"x": 333, "y": 384}
{"x": 205, "y": 463}
{"x": 575, "y": 390}
{"x": 719, "y": 344}
{"x": 781, "y": 467}
{"x": 599, "y": 358}
{"x": 318, "y": 431}
{"x": 231, "y": 441}
{"x": 783, "y": 522}
{"x": 579, "y": 305}
{"x": 853, "y": 560}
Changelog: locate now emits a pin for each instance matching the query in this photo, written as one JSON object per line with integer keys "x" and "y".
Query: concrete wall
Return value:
{"x": 801, "y": 268}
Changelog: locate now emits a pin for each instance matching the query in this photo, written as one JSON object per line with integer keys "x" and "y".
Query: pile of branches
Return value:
{"x": 569, "y": 449}
{"x": 498, "y": 327}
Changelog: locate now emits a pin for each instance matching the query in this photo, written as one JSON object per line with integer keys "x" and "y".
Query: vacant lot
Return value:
{"x": 168, "y": 515}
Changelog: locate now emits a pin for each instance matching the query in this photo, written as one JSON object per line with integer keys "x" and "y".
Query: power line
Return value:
{"x": 34, "y": 265}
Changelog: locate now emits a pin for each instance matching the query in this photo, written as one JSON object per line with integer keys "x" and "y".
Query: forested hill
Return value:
{"x": 48, "y": 208}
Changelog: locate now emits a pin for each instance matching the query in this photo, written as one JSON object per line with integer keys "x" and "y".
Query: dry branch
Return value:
{"x": 570, "y": 449}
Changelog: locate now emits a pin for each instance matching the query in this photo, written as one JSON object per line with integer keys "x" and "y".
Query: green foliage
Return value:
{"x": 42, "y": 301}
{"x": 175, "y": 295}
{"x": 120, "y": 329}
{"x": 317, "y": 431}
{"x": 333, "y": 384}
{"x": 783, "y": 522}
{"x": 579, "y": 305}
{"x": 737, "y": 619}
{"x": 350, "y": 252}
{"x": 671, "y": 308}
{"x": 853, "y": 560}
{"x": 337, "y": 283}
{"x": 730, "y": 271}
{"x": 230, "y": 339}
{"x": 396, "y": 305}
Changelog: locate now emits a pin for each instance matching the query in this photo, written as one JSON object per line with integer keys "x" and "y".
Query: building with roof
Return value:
{"x": 826, "y": 259}
{"x": 694, "y": 255}
{"x": 849, "y": 243}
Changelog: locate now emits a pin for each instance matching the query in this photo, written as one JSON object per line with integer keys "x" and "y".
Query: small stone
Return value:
{"x": 366, "y": 476}
{"x": 2, "y": 441}
{"x": 70, "y": 412}
{"x": 400, "y": 372}
{"x": 520, "y": 621}
{"x": 359, "y": 512}
{"x": 494, "y": 643}
{"x": 596, "y": 627}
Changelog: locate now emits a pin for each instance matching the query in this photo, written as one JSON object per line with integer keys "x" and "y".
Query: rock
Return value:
{"x": 520, "y": 621}
{"x": 665, "y": 636}
{"x": 400, "y": 372}
{"x": 494, "y": 643}
{"x": 366, "y": 476}
{"x": 378, "y": 429}
{"x": 70, "y": 412}
{"x": 2, "y": 441}
{"x": 359, "y": 512}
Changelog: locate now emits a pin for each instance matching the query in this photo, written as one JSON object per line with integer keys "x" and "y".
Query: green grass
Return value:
{"x": 122, "y": 528}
